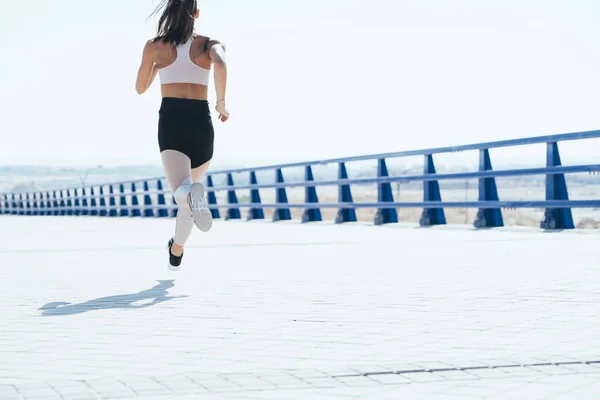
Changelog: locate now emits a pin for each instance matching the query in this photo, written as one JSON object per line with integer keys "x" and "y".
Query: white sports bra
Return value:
{"x": 183, "y": 70}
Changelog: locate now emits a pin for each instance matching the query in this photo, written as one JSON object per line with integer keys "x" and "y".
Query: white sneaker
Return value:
{"x": 202, "y": 215}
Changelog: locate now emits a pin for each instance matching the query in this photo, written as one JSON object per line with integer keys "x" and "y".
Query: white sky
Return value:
{"x": 308, "y": 79}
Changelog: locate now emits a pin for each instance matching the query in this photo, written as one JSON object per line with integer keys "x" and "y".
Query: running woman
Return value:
{"x": 183, "y": 61}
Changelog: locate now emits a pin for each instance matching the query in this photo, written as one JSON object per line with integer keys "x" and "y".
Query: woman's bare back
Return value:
{"x": 165, "y": 55}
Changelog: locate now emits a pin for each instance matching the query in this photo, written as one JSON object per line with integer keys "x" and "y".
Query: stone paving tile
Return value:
{"x": 421, "y": 377}
{"x": 214, "y": 383}
{"x": 322, "y": 383}
{"x": 9, "y": 393}
{"x": 74, "y": 390}
{"x": 111, "y": 388}
{"x": 303, "y": 374}
{"x": 180, "y": 385}
{"x": 390, "y": 379}
{"x": 582, "y": 368}
{"x": 356, "y": 380}
{"x": 36, "y": 391}
{"x": 287, "y": 382}
{"x": 457, "y": 375}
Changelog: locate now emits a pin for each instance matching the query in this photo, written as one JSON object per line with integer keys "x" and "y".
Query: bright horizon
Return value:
{"x": 308, "y": 80}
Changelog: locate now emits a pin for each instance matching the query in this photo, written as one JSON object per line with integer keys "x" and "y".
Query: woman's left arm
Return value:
{"x": 147, "y": 71}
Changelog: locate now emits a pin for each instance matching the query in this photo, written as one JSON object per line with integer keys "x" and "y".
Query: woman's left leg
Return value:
{"x": 199, "y": 172}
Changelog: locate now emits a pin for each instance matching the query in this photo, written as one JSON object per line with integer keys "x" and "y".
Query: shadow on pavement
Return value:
{"x": 156, "y": 294}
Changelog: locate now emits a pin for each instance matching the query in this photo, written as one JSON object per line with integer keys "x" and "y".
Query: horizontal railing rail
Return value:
{"x": 436, "y": 150}
{"x": 153, "y": 198}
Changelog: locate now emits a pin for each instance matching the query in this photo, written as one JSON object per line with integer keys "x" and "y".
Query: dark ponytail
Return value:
{"x": 176, "y": 24}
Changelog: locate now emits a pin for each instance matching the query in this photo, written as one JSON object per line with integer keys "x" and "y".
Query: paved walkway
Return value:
{"x": 289, "y": 311}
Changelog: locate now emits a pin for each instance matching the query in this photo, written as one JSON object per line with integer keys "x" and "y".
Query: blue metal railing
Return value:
{"x": 152, "y": 198}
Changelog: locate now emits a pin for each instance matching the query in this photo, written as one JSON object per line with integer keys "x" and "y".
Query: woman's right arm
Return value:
{"x": 217, "y": 56}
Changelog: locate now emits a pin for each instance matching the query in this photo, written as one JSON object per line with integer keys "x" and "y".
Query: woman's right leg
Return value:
{"x": 178, "y": 172}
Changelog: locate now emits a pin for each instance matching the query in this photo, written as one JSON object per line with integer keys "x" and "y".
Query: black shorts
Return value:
{"x": 185, "y": 125}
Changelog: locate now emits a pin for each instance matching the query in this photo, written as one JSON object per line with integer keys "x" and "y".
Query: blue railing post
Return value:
{"x": 42, "y": 203}
{"x": 310, "y": 196}
{"x": 47, "y": 204}
{"x": 11, "y": 204}
{"x": 48, "y": 198}
{"x": 556, "y": 189}
{"x": 14, "y": 208}
{"x": 55, "y": 209}
{"x": 148, "y": 210}
{"x": 84, "y": 203}
{"x": 20, "y": 202}
{"x": 255, "y": 212}
{"x": 431, "y": 192}
{"x": 93, "y": 203}
{"x": 124, "y": 211}
{"x": 61, "y": 203}
{"x": 384, "y": 195}
{"x": 162, "y": 204}
{"x": 232, "y": 213}
{"x": 112, "y": 202}
{"x": 281, "y": 214}
{"x": 35, "y": 210}
{"x": 135, "y": 204}
{"x": 487, "y": 217}
{"x": 77, "y": 201}
{"x": 103, "y": 210}
{"x": 27, "y": 204}
{"x": 212, "y": 199}
{"x": 6, "y": 205}
{"x": 34, "y": 204}
{"x": 69, "y": 203}
{"x": 344, "y": 196}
